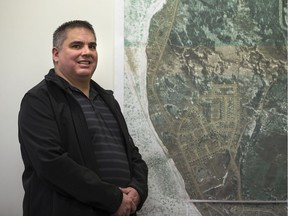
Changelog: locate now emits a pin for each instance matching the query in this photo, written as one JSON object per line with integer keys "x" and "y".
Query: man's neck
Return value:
{"x": 82, "y": 85}
{"x": 83, "y": 88}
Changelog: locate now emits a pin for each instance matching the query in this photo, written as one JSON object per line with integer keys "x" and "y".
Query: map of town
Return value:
{"x": 216, "y": 85}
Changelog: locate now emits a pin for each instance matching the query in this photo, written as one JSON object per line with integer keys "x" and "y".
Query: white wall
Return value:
{"x": 25, "y": 57}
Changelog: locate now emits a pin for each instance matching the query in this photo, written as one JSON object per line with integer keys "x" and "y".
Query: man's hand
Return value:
{"x": 133, "y": 194}
{"x": 127, "y": 207}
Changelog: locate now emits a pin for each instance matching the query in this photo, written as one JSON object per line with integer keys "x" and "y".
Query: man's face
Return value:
{"x": 77, "y": 59}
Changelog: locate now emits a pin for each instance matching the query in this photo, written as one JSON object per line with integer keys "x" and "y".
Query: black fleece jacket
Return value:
{"x": 60, "y": 176}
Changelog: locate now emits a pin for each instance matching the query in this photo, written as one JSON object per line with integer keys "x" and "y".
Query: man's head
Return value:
{"x": 61, "y": 32}
{"x": 74, "y": 51}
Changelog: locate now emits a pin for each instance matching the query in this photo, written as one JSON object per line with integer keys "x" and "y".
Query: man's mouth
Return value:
{"x": 84, "y": 62}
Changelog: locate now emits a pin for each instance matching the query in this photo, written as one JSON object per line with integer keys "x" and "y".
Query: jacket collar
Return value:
{"x": 52, "y": 77}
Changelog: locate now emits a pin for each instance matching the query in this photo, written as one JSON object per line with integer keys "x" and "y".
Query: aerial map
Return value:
{"x": 206, "y": 101}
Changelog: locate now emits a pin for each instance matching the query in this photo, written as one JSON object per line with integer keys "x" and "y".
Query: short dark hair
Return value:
{"x": 60, "y": 33}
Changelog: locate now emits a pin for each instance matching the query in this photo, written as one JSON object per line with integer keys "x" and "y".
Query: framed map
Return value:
{"x": 205, "y": 97}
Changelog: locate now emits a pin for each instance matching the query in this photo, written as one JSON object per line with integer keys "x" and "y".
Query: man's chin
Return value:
{"x": 85, "y": 72}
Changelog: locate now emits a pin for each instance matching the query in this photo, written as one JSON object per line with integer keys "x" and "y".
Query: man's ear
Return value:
{"x": 55, "y": 54}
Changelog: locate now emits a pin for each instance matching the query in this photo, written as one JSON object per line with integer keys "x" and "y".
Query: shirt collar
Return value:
{"x": 92, "y": 91}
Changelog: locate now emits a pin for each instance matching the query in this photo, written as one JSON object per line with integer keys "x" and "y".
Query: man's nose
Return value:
{"x": 86, "y": 50}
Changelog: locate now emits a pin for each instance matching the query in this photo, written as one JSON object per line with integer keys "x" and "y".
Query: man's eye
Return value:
{"x": 92, "y": 47}
{"x": 75, "y": 46}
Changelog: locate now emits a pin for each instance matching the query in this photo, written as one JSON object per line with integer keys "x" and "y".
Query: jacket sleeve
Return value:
{"x": 41, "y": 144}
{"x": 139, "y": 174}
{"x": 139, "y": 167}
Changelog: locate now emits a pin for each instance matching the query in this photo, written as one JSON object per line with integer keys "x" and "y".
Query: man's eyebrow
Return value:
{"x": 79, "y": 42}
{"x": 76, "y": 42}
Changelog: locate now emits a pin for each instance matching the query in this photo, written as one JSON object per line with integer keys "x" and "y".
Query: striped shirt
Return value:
{"x": 106, "y": 136}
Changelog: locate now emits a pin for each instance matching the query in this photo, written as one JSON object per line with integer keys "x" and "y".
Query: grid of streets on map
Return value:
{"x": 217, "y": 98}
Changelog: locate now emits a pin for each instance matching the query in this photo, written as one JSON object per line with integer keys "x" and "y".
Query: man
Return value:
{"x": 79, "y": 157}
